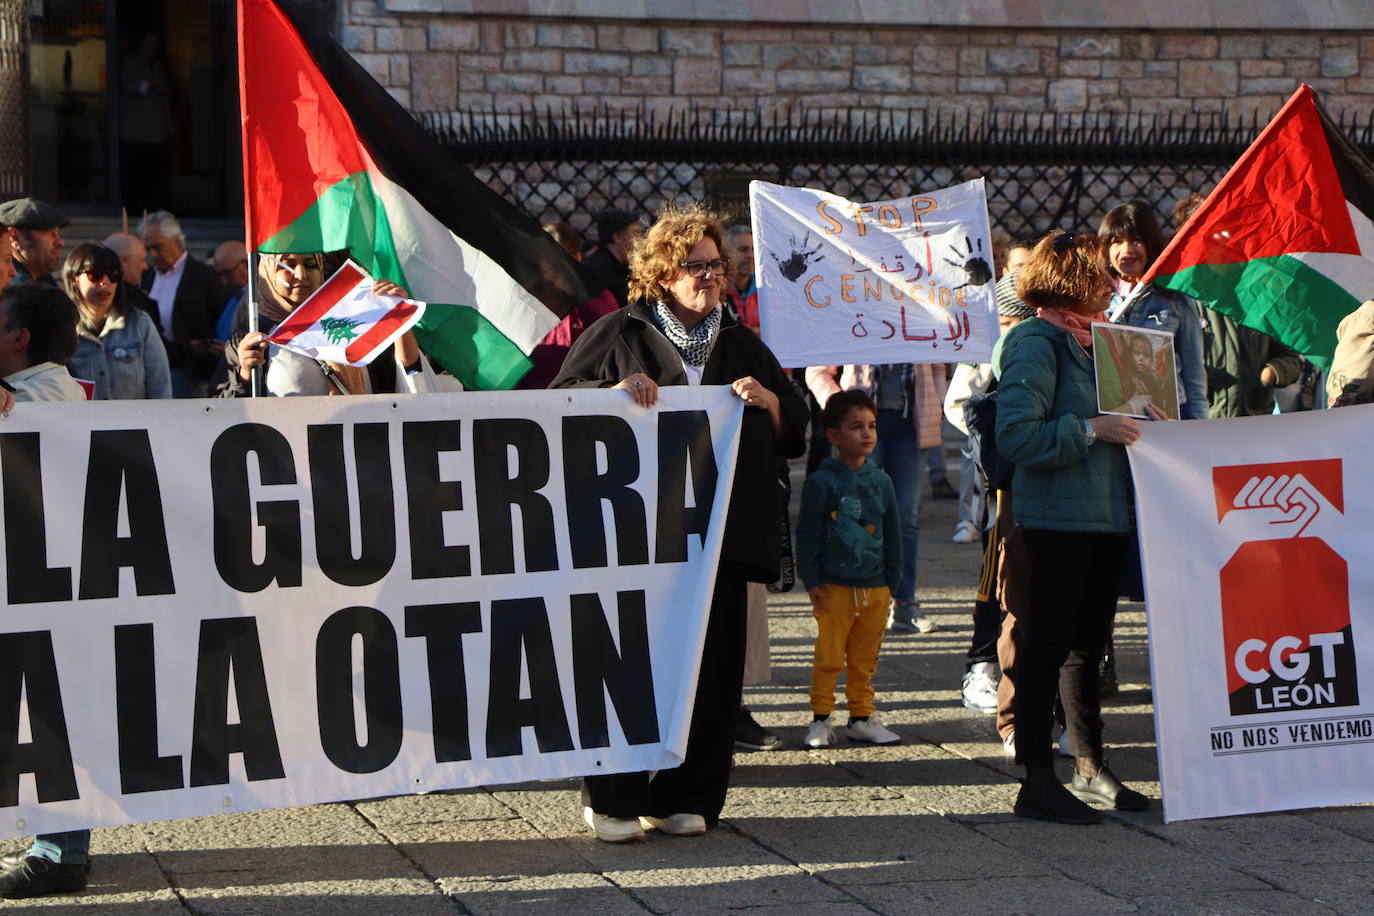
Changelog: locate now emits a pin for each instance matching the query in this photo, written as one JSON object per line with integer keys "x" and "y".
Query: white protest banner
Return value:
{"x": 907, "y": 280}
{"x": 344, "y": 321}
{"x": 1255, "y": 540}
{"x": 216, "y": 606}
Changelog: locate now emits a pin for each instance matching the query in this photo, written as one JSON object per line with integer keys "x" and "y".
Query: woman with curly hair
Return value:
{"x": 674, "y": 332}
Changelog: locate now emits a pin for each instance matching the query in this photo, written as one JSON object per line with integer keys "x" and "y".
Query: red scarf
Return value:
{"x": 1080, "y": 326}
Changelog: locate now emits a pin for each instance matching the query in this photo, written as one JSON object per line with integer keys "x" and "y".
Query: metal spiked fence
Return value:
{"x": 1043, "y": 171}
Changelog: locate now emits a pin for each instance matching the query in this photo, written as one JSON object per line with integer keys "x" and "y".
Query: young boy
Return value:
{"x": 849, "y": 557}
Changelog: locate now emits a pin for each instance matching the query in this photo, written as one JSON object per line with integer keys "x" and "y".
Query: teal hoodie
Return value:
{"x": 848, "y": 532}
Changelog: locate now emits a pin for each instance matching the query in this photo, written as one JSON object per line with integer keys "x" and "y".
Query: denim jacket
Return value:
{"x": 1161, "y": 309}
{"x": 126, "y": 360}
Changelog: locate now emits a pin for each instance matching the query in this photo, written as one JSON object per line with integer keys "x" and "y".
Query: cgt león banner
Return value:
{"x": 217, "y": 606}
{"x": 1261, "y": 629}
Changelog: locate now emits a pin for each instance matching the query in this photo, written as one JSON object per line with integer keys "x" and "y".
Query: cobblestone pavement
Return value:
{"x": 922, "y": 827}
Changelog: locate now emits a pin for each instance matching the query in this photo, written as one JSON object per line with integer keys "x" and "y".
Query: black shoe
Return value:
{"x": 35, "y": 877}
{"x": 16, "y": 858}
{"x": 941, "y": 489}
{"x": 1048, "y": 800}
{"x": 751, "y": 736}
{"x": 1106, "y": 789}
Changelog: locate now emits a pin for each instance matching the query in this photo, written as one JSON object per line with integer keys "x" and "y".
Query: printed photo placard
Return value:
{"x": 1134, "y": 369}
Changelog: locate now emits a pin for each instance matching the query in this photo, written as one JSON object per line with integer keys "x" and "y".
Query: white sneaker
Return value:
{"x": 676, "y": 824}
{"x": 613, "y": 829}
{"x": 820, "y": 733}
{"x": 872, "y": 731}
{"x": 980, "y": 688}
{"x": 965, "y": 533}
{"x": 1061, "y": 746}
{"x": 905, "y": 618}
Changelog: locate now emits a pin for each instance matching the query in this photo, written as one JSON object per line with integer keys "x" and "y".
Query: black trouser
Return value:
{"x": 818, "y": 449}
{"x": 987, "y": 610}
{"x": 698, "y": 785}
{"x": 1061, "y": 594}
{"x": 987, "y": 623}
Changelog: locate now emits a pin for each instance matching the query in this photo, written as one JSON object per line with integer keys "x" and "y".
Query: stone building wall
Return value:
{"x": 446, "y": 61}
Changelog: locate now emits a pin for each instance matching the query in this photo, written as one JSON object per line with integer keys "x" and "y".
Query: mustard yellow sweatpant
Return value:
{"x": 850, "y": 622}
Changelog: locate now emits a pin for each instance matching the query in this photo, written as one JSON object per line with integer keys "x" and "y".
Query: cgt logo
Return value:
{"x": 1285, "y": 595}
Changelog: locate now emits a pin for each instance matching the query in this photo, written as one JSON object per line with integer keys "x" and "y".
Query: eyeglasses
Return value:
{"x": 1063, "y": 243}
{"x": 95, "y": 276}
{"x": 698, "y": 269}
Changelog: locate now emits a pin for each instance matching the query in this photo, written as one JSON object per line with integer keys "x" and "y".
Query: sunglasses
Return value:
{"x": 698, "y": 269}
{"x": 95, "y": 276}
{"x": 1066, "y": 242}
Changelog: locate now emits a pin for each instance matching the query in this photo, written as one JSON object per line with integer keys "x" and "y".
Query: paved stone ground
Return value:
{"x": 923, "y": 827}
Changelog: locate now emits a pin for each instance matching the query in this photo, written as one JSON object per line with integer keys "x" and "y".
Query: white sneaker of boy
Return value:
{"x": 820, "y": 733}
{"x": 873, "y": 731}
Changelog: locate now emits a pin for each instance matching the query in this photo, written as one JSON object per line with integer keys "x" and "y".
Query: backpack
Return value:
{"x": 980, "y": 416}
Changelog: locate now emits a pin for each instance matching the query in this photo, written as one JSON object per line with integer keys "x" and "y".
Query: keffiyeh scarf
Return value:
{"x": 694, "y": 345}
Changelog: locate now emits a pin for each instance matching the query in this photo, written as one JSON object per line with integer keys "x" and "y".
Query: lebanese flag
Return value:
{"x": 1285, "y": 243}
{"x": 345, "y": 322}
{"x": 331, "y": 161}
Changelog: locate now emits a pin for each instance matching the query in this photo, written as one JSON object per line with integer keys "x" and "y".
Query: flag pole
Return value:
{"x": 255, "y": 380}
{"x": 255, "y": 375}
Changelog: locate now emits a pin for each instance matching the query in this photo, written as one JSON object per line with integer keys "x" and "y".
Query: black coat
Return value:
{"x": 195, "y": 312}
{"x": 626, "y": 342}
{"x": 137, "y": 298}
{"x": 601, "y": 270}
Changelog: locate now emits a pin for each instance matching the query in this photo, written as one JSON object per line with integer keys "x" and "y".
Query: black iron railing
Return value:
{"x": 1042, "y": 170}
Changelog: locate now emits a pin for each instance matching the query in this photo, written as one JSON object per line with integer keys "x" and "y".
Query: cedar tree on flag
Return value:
{"x": 345, "y": 322}
{"x": 1285, "y": 243}
{"x": 331, "y": 161}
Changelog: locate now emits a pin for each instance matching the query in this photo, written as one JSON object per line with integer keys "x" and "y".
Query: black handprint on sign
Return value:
{"x": 795, "y": 265}
{"x": 979, "y": 273}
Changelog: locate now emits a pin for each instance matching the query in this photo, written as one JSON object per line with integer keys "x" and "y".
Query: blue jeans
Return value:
{"x": 935, "y": 464}
{"x": 898, "y": 455}
{"x": 70, "y": 848}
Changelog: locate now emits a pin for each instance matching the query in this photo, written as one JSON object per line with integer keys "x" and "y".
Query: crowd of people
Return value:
{"x": 1054, "y": 567}
{"x": 676, "y": 303}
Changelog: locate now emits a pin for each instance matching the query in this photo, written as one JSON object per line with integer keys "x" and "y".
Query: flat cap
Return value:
{"x": 31, "y": 213}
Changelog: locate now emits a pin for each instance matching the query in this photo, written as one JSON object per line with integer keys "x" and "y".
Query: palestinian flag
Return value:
{"x": 331, "y": 161}
{"x": 1285, "y": 244}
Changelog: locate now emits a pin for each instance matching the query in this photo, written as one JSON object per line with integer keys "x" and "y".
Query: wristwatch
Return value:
{"x": 1088, "y": 430}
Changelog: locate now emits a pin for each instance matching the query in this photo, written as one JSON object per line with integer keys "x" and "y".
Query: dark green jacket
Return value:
{"x": 848, "y": 532}
{"x": 1045, "y": 390}
{"x": 1234, "y": 356}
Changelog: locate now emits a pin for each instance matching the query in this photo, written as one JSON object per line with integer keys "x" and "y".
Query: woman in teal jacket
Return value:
{"x": 1069, "y": 502}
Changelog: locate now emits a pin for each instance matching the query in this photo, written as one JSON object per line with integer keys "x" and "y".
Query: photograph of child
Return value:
{"x": 1135, "y": 368}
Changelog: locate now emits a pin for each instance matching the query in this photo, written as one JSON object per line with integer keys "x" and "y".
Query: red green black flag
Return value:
{"x": 331, "y": 161}
{"x": 1285, "y": 243}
